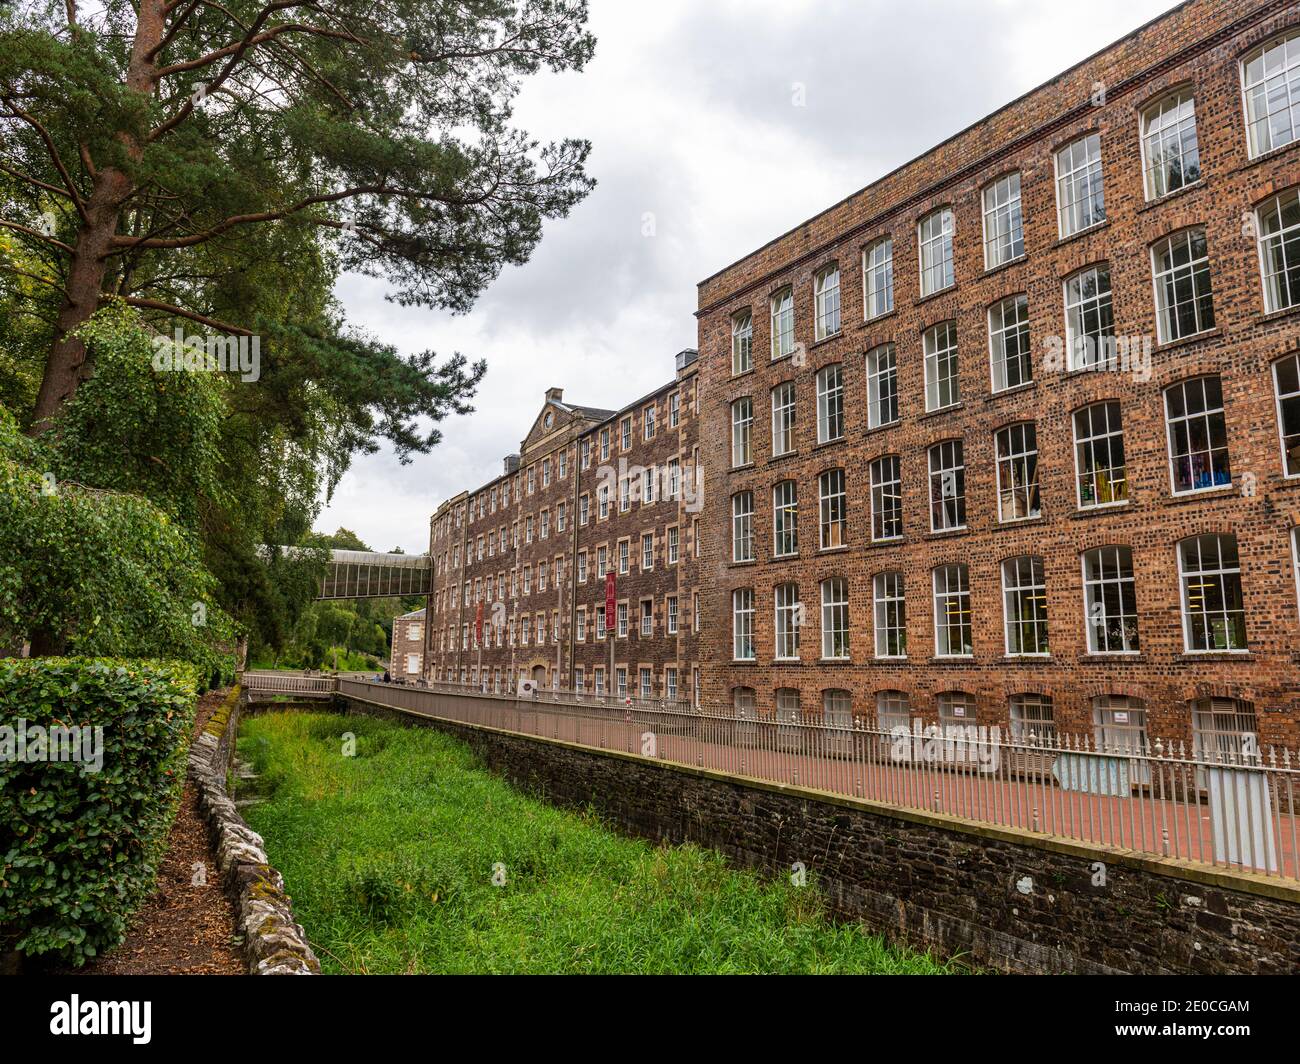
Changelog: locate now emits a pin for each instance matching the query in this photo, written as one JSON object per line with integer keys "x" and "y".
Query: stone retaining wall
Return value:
{"x": 274, "y": 944}
{"x": 999, "y": 898}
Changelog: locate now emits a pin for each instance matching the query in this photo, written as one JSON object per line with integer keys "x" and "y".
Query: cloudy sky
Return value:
{"x": 689, "y": 105}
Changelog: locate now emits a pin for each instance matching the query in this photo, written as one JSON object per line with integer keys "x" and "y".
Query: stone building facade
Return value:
{"x": 519, "y": 582}
{"x": 406, "y": 659}
{"x": 1012, "y": 435}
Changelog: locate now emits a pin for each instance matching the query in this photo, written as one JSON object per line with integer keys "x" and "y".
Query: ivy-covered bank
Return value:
{"x": 92, "y": 765}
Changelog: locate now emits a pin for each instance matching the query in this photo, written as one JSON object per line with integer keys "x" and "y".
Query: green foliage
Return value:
{"x": 100, "y": 572}
{"x": 390, "y": 856}
{"x": 80, "y": 849}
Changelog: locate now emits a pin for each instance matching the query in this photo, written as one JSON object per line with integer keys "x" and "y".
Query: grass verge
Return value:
{"x": 410, "y": 857}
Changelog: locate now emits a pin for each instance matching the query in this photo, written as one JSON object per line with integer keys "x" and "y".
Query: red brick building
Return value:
{"x": 520, "y": 562}
{"x": 1012, "y": 435}
{"x": 406, "y": 659}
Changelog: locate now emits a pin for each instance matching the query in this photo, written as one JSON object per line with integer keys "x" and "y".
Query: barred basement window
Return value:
{"x": 1110, "y": 601}
{"x": 956, "y": 708}
{"x": 1119, "y": 724}
{"x": 826, "y": 293}
{"x": 1170, "y": 152}
{"x": 890, "y": 615}
{"x": 942, "y": 387}
{"x": 1184, "y": 303}
{"x": 892, "y": 711}
{"x": 1198, "y": 435}
{"x": 886, "y": 498}
{"x": 947, "y": 487}
{"x": 783, "y": 324}
{"x": 742, "y": 527}
{"x": 1032, "y": 719}
{"x": 934, "y": 240}
{"x": 787, "y": 705}
{"x": 878, "y": 278}
{"x": 882, "y": 386}
{"x": 785, "y": 519}
{"x": 783, "y": 419}
{"x": 742, "y": 624}
{"x": 830, "y": 404}
{"x": 952, "y": 617}
{"x": 744, "y": 703}
{"x": 837, "y": 708}
{"x": 834, "y": 509}
{"x": 1024, "y": 606}
{"x": 1010, "y": 354}
{"x": 835, "y": 618}
{"x": 742, "y": 342}
{"x": 1270, "y": 78}
{"x": 1225, "y": 729}
{"x": 1278, "y": 224}
{"x": 1080, "y": 197}
{"x": 1214, "y": 615}
{"x": 788, "y": 609}
{"x": 1004, "y": 231}
{"x": 1017, "y": 468}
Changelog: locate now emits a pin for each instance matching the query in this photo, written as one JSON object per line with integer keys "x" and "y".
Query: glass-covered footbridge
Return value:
{"x": 357, "y": 574}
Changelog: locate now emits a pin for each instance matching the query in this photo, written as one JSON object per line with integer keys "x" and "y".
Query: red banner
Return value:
{"x": 609, "y": 601}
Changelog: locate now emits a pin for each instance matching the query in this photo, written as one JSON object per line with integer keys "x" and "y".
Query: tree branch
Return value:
{"x": 181, "y": 312}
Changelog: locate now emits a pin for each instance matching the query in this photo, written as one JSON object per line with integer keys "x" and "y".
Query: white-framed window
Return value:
{"x": 783, "y": 323}
{"x": 1110, "y": 601}
{"x": 1295, "y": 560}
{"x": 1024, "y": 607}
{"x": 826, "y": 294}
{"x": 788, "y": 609}
{"x": 584, "y": 509}
{"x": 624, "y": 557}
{"x": 1209, "y": 577}
{"x": 893, "y": 711}
{"x": 602, "y": 502}
{"x": 882, "y": 386}
{"x": 830, "y": 404}
{"x": 934, "y": 241}
{"x": 744, "y": 703}
{"x": 1278, "y": 225}
{"x": 1017, "y": 466}
{"x": 1198, "y": 435}
{"x": 1180, "y": 268}
{"x": 890, "y": 615}
{"x": 878, "y": 279}
{"x": 625, "y": 434}
{"x": 952, "y": 617}
{"x": 670, "y": 683}
{"x": 649, "y": 478}
{"x": 785, "y": 519}
{"x": 604, "y": 445}
{"x": 742, "y": 526}
{"x": 1225, "y": 729}
{"x": 1101, "y": 477}
{"x": 1080, "y": 198}
{"x": 620, "y": 620}
{"x": 671, "y": 614}
{"x": 886, "y": 498}
{"x": 837, "y": 708}
{"x": 835, "y": 618}
{"x": 1286, "y": 390}
{"x": 647, "y": 551}
{"x": 787, "y": 705}
{"x": 674, "y": 410}
{"x": 1004, "y": 230}
{"x": 674, "y": 545}
{"x": 1171, "y": 155}
{"x": 647, "y": 617}
{"x": 742, "y": 431}
{"x": 783, "y": 418}
{"x": 1010, "y": 357}
{"x": 1089, "y": 318}
{"x": 648, "y": 416}
{"x": 620, "y": 681}
{"x": 833, "y": 507}
{"x": 947, "y": 486}
{"x": 1033, "y": 719}
{"x": 942, "y": 387}
{"x": 1119, "y": 724}
{"x": 1270, "y": 82}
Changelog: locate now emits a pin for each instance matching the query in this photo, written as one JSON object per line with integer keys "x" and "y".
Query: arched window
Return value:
{"x": 892, "y": 710}
{"x": 1270, "y": 79}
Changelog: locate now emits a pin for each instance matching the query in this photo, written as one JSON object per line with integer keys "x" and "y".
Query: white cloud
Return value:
{"x": 691, "y": 118}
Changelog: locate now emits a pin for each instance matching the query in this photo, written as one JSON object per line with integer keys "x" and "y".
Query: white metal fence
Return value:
{"x": 1234, "y": 806}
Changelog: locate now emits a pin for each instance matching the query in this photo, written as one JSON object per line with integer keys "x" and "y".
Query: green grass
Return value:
{"x": 389, "y": 857}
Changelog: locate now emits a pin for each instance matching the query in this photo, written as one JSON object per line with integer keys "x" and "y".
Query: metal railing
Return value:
{"x": 288, "y": 684}
{"x": 1233, "y": 808}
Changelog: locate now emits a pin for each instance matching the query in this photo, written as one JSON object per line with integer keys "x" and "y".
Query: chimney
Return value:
{"x": 555, "y": 395}
{"x": 686, "y": 358}
{"x": 512, "y": 464}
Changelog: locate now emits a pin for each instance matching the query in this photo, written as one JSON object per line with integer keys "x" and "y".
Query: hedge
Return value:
{"x": 80, "y": 849}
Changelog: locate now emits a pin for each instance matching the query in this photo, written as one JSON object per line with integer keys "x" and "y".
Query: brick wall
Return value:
{"x": 408, "y": 639}
{"x": 1197, "y": 47}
